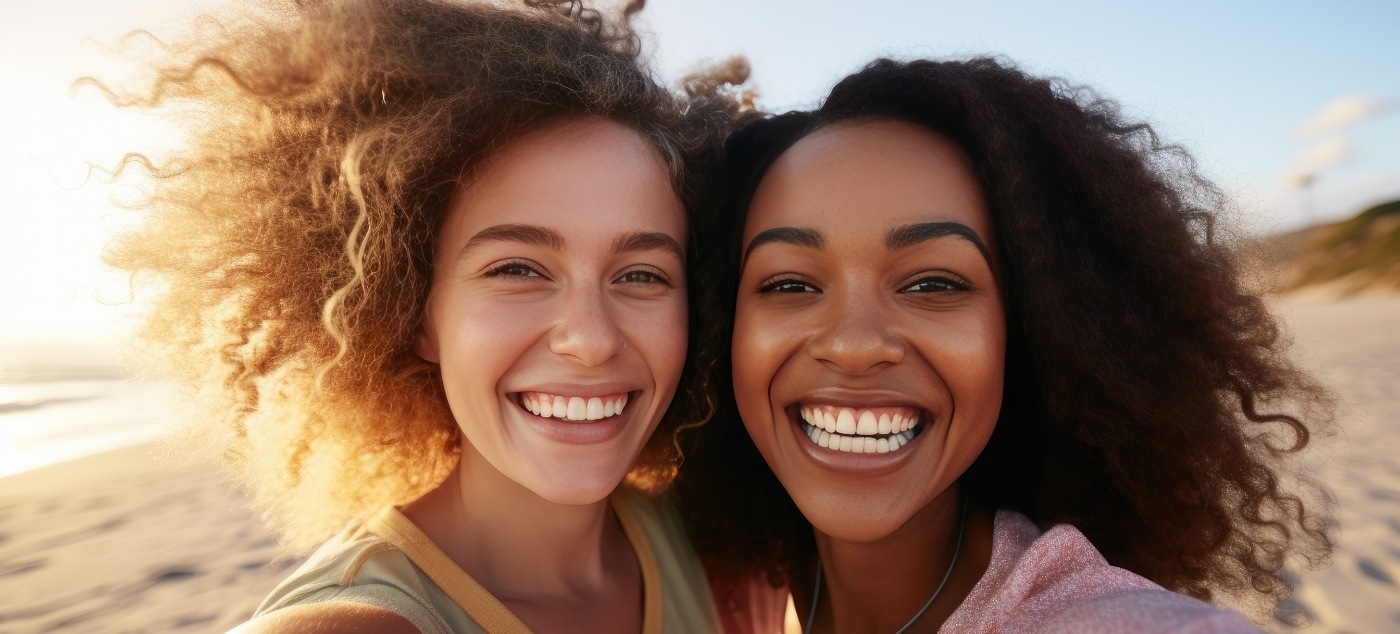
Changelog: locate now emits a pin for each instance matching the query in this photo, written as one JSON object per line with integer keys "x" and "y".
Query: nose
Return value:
{"x": 856, "y": 338}
{"x": 587, "y": 330}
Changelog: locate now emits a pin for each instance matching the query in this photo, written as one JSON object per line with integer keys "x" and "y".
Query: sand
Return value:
{"x": 121, "y": 543}
{"x": 1353, "y": 345}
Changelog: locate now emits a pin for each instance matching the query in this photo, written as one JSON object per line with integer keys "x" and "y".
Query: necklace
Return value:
{"x": 817, "y": 592}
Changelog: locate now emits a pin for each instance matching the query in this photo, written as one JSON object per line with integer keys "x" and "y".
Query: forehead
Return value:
{"x": 573, "y": 175}
{"x": 857, "y": 180}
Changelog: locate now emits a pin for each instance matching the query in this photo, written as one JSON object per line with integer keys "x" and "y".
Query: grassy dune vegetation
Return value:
{"x": 1358, "y": 254}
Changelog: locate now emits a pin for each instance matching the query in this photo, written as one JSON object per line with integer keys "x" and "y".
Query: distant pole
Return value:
{"x": 1304, "y": 183}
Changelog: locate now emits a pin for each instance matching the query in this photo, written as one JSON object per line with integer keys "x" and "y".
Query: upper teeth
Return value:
{"x": 877, "y": 430}
{"x": 573, "y": 407}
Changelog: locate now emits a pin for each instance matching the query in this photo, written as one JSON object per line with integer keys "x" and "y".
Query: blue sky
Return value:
{"x": 1232, "y": 81}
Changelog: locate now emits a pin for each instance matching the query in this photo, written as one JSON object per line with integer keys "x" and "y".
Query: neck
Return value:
{"x": 519, "y": 546}
{"x": 880, "y": 586}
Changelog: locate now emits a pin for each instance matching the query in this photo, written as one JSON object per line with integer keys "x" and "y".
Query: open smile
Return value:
{"x": 574, "y": 408}
{"x": 860, "y": 430}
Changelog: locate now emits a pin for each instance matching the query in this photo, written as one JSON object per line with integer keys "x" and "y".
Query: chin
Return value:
{"x": 578, "y": 486}
{"x": 856, "y": 521}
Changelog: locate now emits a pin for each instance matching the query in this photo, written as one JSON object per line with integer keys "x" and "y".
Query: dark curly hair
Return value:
{"x": 290, "y": 237}
{"x": 1148, "y": 400}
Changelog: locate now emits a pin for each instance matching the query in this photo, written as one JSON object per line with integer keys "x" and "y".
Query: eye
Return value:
{"x": 513, "y": 269}
{"x": 643, "y": 276}
{"x": 787, "y": 285}
{"x": 936, "y": 284}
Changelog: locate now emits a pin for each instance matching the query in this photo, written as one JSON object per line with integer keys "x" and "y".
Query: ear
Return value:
{"x": 426, "y": 344}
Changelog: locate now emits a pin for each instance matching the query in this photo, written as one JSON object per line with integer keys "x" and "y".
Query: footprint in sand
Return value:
{"x": 10, "y": 569}
{"x": 1384, "y": 496}
{"x": 1370, "y": 569}
{"x": 172, "y": 574}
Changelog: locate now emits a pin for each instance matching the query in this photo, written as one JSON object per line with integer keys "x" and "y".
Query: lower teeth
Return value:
{"x": 859, "y": 444}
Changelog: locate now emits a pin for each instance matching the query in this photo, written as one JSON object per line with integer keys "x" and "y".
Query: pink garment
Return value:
{"x": 1058, "y": 582}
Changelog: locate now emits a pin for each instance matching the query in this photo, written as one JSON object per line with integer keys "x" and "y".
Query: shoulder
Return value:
{"x": 1057, "y": 581}
{"x": 356, "y": 582}
{"x": 352, "y": 558}
{"x": 331, "y": 617}
{"x": 1144, "y": 610}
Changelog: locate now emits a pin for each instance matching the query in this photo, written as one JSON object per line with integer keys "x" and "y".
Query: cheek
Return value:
{"x": 973, "y": 367}
{"x": 480, "y": 338}
{"x": 661, "y": 333}
{"x": 757, "y": 351}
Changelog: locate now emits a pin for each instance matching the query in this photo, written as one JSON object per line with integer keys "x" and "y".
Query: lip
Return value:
{"x": 578, "y": 432}
{"x": 584, "y": 390}
{"x": 870, "y": 464}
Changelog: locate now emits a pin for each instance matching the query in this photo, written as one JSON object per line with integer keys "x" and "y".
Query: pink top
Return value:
{"x": 1058, "y": 582}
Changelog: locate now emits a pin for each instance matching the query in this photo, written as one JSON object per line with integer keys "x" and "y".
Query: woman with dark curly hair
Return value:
{"x": 425, "y": 265}
{"x": 997, "y": 370}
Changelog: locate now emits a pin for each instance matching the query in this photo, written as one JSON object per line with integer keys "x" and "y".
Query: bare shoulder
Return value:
{"x": 331, "y": 617}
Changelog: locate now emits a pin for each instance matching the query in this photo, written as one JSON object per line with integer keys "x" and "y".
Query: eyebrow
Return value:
{"x": 646, "y": 241}
{"x": 910, "y": 235}
{"x": 541, "y": 236}
{"x": 527, "y": 234}
{"x": 799, "y": 236}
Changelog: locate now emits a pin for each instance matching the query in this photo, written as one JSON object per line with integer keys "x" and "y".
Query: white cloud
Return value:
{"x": 1344, "y": 111}
{"x": 1322, "y": 156}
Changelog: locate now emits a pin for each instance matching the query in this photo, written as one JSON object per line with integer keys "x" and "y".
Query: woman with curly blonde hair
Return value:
{"x": 424, "y": 265}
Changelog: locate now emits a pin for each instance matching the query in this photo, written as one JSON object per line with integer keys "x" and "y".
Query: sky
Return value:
{"x": 1265, "y": 95}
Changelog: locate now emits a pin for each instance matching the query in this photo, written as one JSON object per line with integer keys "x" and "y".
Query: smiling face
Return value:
{"x": 558, "y": 307}
{"x": 869, "y": 333}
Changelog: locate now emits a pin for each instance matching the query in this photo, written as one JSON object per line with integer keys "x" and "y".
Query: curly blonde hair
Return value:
{"x": 292, "y": 235}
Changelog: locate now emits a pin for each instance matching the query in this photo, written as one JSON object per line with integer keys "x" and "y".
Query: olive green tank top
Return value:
{"x": 389, "y": 563}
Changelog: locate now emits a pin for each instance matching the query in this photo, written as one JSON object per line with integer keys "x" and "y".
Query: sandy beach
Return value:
{"x": 120, "y": 542}
{"x": 1353, "y": 345}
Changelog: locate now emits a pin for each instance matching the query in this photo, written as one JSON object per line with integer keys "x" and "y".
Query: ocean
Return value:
{"x": 48, "y": 418}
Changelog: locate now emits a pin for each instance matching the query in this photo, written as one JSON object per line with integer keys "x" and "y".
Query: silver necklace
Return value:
{"x": 817, "y": 592}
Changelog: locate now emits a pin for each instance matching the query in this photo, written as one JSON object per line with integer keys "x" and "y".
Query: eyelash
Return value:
{"x": 654, "y": 278}
{"x": 523, "y": 269}
{"x": 947, "y": 283}
{"x": 775, "y": 286}
{"x": 513, "y": 268}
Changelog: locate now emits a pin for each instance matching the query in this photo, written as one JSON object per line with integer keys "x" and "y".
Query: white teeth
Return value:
{"x": 858, "y": 430}
{"x": 852, "y": 443}
{"x": 845, "y": 422}
{"x": 575, "y": 408}
{"x": 867, "y": 426}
